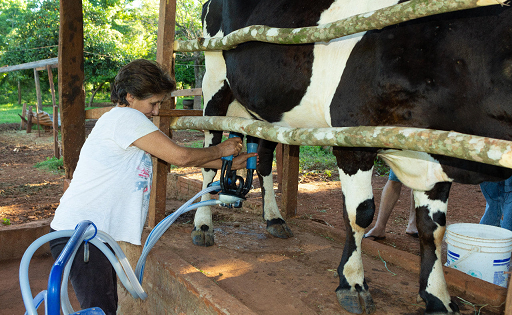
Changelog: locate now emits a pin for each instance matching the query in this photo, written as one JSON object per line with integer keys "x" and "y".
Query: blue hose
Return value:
{"x": 98, "y": 238}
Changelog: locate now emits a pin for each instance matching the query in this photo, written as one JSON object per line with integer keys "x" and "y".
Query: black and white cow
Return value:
{"x": 446, "y": 72}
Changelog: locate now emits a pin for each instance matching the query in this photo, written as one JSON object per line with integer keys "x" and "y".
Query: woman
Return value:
{"x": 112, "y": 181}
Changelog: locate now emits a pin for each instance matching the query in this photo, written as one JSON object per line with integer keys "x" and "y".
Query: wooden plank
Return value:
{"x": 180, "y": 112}
{"x": 19, "y": 92}
{"x": 30, "y": 65}
{"x": 95, "y": 113}
{"x": 164, "y": 56}
{"x": 188, "y": 92}
{"x": 29, "y": 119}
{"x": 23, "y": 119}
{"x": 71, "y": 78}
{"x": 38, "y": 91}
{"x": 508, "y": 301}
{"x": 290, "y": 180}
{"x": 56, "y": 151}
{"x": 279, "y": 166}
{"x": 53, "y": 66}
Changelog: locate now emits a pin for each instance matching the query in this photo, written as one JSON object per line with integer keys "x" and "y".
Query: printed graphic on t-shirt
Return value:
{"x": 145, "y": 178}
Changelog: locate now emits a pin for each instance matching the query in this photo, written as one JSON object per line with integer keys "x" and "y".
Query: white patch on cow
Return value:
{"x": 208, "y": 138}
{"x": 436, "y": 283}
{"x": 329, "y": 63}
{"x": 422, "y": 200}
{"x": 236, "y": 109}
{"x": 417, "y": 170}
{"x": 271, "y": 210}
{"x": 215, "y": 74}
{"x": 203, "y": 215}
{"x": 353, "y": 269}
{"x": 356, "y": 189}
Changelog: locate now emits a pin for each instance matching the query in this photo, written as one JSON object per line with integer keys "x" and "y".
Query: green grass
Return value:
{"x": 52, "y": 164}
{"x": 316, "y": 158}
{"x": 9, "y": 112}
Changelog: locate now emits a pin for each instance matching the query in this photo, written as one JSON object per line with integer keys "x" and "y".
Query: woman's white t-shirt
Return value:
{"x": 112, "y": 181}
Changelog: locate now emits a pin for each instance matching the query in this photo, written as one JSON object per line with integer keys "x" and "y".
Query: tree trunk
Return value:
{"x": 94, "y": 94}
{"x": 199, "y": 71}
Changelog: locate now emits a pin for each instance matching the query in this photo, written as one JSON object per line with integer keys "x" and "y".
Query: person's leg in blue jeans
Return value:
{"x": 493, "y": 193}
{"x": 506, "y": 209}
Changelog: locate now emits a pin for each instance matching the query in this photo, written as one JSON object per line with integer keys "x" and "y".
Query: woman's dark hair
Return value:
{"x": 142, "y": 79}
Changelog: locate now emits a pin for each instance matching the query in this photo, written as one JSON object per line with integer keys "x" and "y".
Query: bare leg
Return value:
{"x": 390, "y": 195}
{"x": 411, "y": 226}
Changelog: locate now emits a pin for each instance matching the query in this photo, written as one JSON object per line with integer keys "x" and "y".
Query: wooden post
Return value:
{"x": 290, "y": 180}
{"x": 71, "y": 78}
{"x": 29, "y": 120}
{"x": 38, "y": 91}
{"x": 56, "y": 151}
{"x": 279, "y": 166}
{"x": 164, "y": 56}
{"x": 19, "y": 92}
{"x": 23, "y": 113}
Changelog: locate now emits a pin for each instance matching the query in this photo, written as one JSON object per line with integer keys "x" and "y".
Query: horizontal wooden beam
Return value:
{"x": 96, "y": 113}
{"x": 180, "y": 112}
{"x": 31, "y": 65}
{"x": 54, "y": 66}
{"x": 188, "y": 92}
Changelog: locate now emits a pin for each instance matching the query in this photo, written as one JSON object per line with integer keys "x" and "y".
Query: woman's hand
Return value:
{"x": 231, "y": 146}
{"x": 240, "y": 161}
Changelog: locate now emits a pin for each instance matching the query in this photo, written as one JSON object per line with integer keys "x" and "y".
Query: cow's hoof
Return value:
{"x": 356, "y": 302}
{"x": 203, "y": 236}
{"x": 279, "y": 229}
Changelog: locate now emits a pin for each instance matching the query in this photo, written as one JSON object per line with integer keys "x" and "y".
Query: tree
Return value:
{"x": 188, "y": 26}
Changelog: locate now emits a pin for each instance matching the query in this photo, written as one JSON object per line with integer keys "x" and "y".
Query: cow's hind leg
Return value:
{"x": 202, "y": 234}
{"x": 276, "y": 225}
{"x": 431, "y": 209}
{"x": 358, "y": 208}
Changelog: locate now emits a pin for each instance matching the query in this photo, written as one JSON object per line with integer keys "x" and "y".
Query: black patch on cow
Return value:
{"x": 469, "y": 172}
{"x": 365, "y": 212}
{"x": 440, "y": 192}
{"x": 222, "y": 98}
{"x": 444, "y": 72}
{"x": 426, "y": 228}
{"x": 256, "y": 66}
{"x": 439, "y": 218}
{"x": 433, "y": 304}
{"x": 352, "y": 160}
{"x": 349, "y": 248}
{"x": 266, "y": 156}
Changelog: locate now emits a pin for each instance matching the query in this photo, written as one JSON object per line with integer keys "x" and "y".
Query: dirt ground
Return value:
{"x": 29, "y": 194}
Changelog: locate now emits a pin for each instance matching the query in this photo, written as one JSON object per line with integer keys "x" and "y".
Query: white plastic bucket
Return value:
{"x": 482, "y": 251}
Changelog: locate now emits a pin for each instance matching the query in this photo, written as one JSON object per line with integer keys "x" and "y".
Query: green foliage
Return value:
{"x": 52, "y": 164}
{"x": 381, "y": 168}
{"x": 316, "y": 158}
{"x": 6, "y": 221}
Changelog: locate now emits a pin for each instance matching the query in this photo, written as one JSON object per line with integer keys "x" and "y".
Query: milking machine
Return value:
{"x": 231, "y": 188}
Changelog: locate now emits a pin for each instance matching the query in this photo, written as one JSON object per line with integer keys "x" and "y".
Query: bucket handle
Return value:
{"x": 474, "y": 249}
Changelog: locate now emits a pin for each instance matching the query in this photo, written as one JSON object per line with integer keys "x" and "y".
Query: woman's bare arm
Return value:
{"x": 161, "y": 146}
